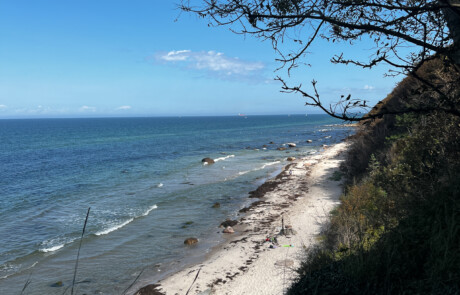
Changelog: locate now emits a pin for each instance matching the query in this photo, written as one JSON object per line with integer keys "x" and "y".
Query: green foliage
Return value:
{"x": 397, "y": 230}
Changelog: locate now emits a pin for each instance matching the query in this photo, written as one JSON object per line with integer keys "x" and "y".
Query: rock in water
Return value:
{"x": 228, "y": 230}
{"x": 291, "y": 159}
{"x": 190, "y": 241}
{"x": 228, "y": 223}
{"x": 208, "y": 161}
{"x": 309, "y": 141}
{"x": 216, "y": 205}
{"x": 57, "y": 284}
{"x": 291, "y": 144}
{"x": 281, "y": 148}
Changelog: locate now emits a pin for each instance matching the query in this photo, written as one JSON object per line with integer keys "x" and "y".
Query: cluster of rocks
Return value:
{"x": 228, "y": 229}
{"x": 281, "y": 148}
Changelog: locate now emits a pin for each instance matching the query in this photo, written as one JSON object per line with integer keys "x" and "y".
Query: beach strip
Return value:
{"x": 252, "y": 261}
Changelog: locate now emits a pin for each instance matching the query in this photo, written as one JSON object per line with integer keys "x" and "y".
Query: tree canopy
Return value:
{"x": 425, "y": 28}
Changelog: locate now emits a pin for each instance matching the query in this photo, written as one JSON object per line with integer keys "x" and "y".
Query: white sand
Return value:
{"x": 248, "y": 265}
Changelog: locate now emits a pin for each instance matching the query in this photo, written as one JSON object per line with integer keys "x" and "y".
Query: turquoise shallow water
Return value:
{"x": 143, "y": 179}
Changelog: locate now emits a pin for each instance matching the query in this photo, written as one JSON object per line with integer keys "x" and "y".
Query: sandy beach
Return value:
{"x": 301, "y": 197}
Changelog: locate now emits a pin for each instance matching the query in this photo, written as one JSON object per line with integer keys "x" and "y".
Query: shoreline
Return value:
{"x": 301, "y": 196}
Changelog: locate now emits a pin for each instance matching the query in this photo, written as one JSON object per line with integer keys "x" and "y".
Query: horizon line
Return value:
{"x": 157, "y": 116}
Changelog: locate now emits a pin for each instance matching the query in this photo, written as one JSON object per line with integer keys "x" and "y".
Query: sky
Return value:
{"x": 115, "y": 58}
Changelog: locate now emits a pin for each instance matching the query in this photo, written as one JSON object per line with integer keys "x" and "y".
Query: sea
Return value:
{"x": 147, "y": 189}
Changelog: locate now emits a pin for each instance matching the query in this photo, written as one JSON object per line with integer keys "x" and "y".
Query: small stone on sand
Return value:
{"x": 228, "y": 230}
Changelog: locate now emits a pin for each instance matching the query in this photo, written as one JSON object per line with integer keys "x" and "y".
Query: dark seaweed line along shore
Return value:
{"x": 279, "y": 212}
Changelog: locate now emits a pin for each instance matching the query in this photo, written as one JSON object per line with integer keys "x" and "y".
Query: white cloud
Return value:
{"x": 179, "y": 55}
{"x": 368, "y": 87}
{"x": 123, "y": 108}
{"x": 87, "y": 109}
{"x": 213, "y": 62}
{"x": 2, "y": 107}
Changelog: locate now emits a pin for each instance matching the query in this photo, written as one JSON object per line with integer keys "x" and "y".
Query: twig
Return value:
{"x": 26, "y": 284}
{"x": 193, "y": 281}
{"x": 78, "y": 253}
{"x": 135, "y": 280}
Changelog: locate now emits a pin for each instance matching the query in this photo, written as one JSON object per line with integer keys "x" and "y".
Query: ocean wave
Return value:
{"x": 149, "y": 210}
{"x": 224, "y": 158}
{"x": 9, "y": 269}
{"x": 54, "y": 244}
{"x": 270, "y": 164}
{"x": 259, "y": 168}
{"x": 113, "y": 228}
{"x": 52, "y": 249}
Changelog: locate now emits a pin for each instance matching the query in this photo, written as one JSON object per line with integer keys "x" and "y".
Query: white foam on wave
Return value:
{"x": 54, "y": 244}
{"x": 160, "y": 185}
{"x": 224, "y": 158}
{"x": 260, "y": 168}
{"x": 270, "y": 164}
{"x": 10, "y": 269}
{"x": 114, "y": 228}
{"x": 149, "y": 210}
{"x": 52, "y": 249}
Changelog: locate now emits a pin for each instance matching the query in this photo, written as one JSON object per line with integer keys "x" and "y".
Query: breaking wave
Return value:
{"x": 113, "y": 228}
{"x": 120, "y": 225}
{"x": 224, "y": 158}
{"x": 150, "y": 209}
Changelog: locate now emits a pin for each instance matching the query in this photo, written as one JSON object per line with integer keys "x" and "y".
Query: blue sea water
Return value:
{"x": 146, "y": 185}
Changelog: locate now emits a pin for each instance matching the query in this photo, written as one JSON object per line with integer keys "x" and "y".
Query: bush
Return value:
{"x": 397, "y": 230}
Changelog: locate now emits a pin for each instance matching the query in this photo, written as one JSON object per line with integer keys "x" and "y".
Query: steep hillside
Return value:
{"x": 397, "y": 230}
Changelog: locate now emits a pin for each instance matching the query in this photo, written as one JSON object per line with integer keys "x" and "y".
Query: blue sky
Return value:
{"x": 144, "y": 58}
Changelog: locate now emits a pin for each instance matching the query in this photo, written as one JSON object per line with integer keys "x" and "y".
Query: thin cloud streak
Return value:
{"x": 213, "y": 63}
{"x": 87, "y": 109}
{"x": 123, "y": 108}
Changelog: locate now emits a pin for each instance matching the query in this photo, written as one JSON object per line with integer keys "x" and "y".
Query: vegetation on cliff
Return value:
{"x": 397, "y": 230}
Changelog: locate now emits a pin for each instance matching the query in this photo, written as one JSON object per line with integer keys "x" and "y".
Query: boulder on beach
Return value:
{"x": 228, "y": 230}
{"x": 228, "y": 223}
{"x": 291, "y": 159}
{"x": 216, "y": 205}
{"x": 208, "y": 161}
{"x": 291, "y": 144}
{"x": 190, "y": 241}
